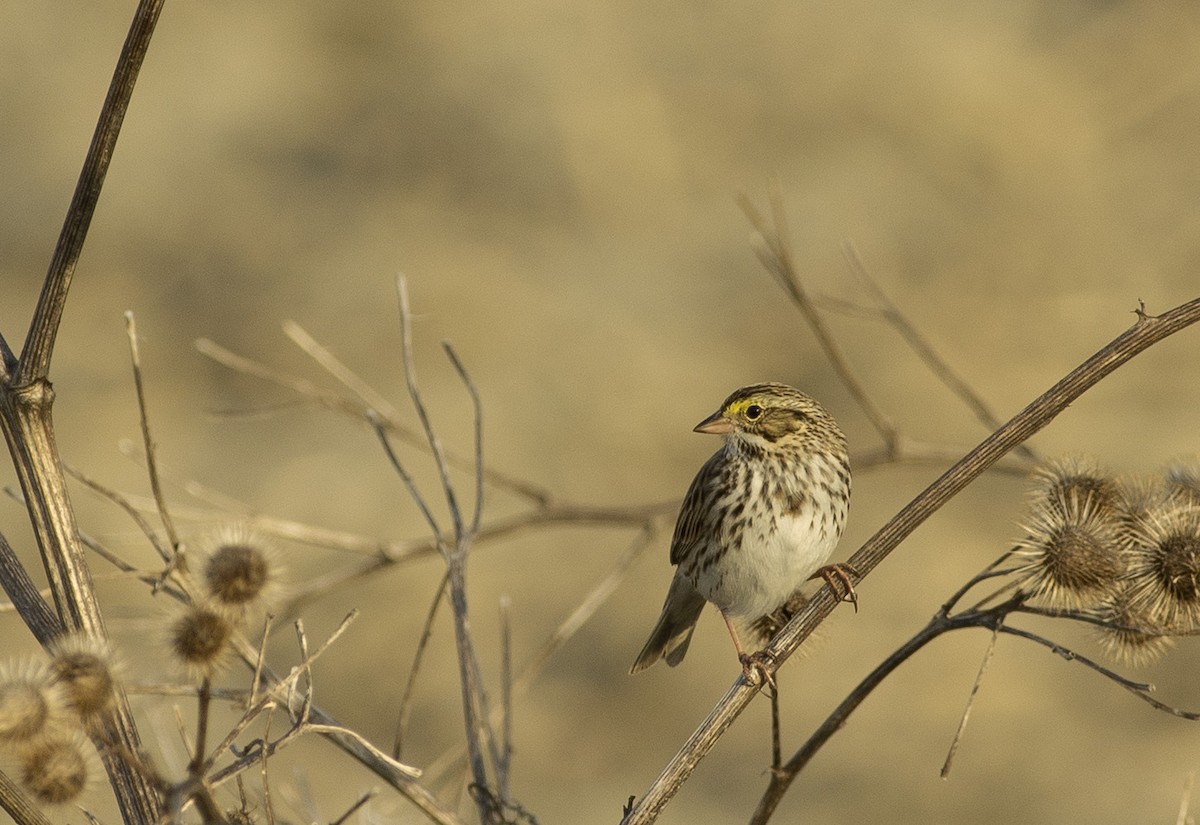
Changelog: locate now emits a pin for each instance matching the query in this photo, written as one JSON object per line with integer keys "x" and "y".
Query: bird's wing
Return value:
{"x": 696, "y": 509}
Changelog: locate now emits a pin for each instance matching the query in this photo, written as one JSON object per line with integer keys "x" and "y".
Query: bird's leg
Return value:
{"x": 755, "y": 666}
{"x": 833, "y": 574}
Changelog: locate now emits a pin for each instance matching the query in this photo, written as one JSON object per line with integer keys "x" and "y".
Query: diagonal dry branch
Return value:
{"x": 26, "y": 399}
{"x": 1147, "y": 331}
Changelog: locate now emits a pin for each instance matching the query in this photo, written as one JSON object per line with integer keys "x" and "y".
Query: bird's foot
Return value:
{"x": 837, "y": 576}
{"x": 758, "y": 669}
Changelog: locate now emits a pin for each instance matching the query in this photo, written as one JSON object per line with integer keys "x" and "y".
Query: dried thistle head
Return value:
{"x": 86, "y": 671}
{"x": 1129, "y": 633}
{"x": 1062, "y": 482}
{"x": 1072, "y": 552}
{"x": 1182, "y": 479}
{"x": 32, "y": 707}
{"x": 1141, "y": 495}
{"x": 199, "y": 638}
{"x": 1164, "y": 567}
{"x": 239, "y": 567}
{"x": 55, "y": 771}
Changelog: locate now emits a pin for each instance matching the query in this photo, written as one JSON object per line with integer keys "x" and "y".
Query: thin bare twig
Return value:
{"x": 924, "y": 350}
{"x": 362, "y": 800}
{"x": 773, "y": 251}
{"x": 1139, "y": 689}
{"x": 414, "y": 395}
{"x": 966, "y": 715}
{"x": 357, "y": 409}
{"x": 126, "y": 505}
{"x": 1185, "y": 800}
{"x": 477, "y": 418}
{"x": 418, "y": 658}
{"x": 264, "y": 767}
{"x": 148, "y": 444}
{"x": 344, "y": 375}
{"x": 506, "y": 705}
{"x": 399, "y": 777}
{"x": 39, "y": 342}
{"x": 238, "y": 695}
{"x": 992, "y": 571}
{"x": 409, "y": 484}
{"x": 306, "y": 672}
{"x": 261, "y": 661}
{"x": 277, "y": 692}
{"x": 566, "y": 630}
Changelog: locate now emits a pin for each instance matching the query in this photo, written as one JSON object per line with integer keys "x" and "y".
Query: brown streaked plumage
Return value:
{"x": 760, "y": 518}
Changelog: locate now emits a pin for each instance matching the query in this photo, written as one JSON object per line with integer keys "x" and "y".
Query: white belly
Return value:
{"x": 767, "y": 569}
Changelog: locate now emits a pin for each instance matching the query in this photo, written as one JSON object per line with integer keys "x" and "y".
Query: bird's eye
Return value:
{"x": 753, "y": 411}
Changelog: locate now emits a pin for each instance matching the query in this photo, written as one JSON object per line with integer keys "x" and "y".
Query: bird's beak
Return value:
{"x": 715, "y": 424}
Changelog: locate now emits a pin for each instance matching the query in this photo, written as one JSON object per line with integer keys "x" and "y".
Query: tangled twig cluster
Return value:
{"x": 49, "y": 708}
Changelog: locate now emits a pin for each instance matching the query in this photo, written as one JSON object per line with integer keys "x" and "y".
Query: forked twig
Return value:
{"x": 455, "y": 551}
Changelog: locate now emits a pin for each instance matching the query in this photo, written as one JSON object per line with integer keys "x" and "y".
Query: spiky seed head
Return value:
{"x": 200, "y": 638}
{"x": 1164, "y": 567}
{"x": 1183, "y": 480}
{"x": 85, "y": 669}
{"x": 1129, "y": 633}
{"x": 239, "y": 567}
{"x": 1072, "y": 550}
{"x": 55, "y": 771}
{"x": 1070, "y": 480}
{"x": 32, "y": 707}
{"x": 1140, "y": 495}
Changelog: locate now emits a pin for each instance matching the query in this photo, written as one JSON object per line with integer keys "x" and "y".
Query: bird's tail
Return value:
{"x": 673, "y": 633}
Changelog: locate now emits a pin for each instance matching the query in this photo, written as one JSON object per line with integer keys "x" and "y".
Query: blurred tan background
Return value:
{"x": 557, "y": 182}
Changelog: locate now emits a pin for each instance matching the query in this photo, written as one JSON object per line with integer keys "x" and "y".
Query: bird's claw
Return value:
{"x": 758, "y": 669}
{"x": 839, "y": 574}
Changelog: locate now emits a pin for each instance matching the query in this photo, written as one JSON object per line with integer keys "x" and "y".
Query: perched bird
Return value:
{"x": 761, "y": 517}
